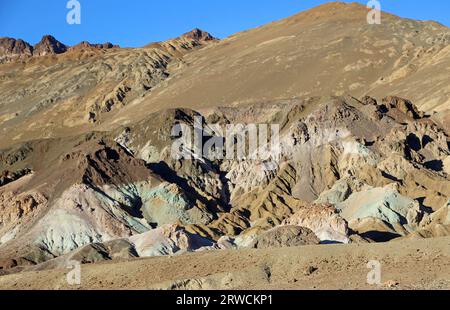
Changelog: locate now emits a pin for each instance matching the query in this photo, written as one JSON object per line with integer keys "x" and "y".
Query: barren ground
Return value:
{"x": 407, "y": 264}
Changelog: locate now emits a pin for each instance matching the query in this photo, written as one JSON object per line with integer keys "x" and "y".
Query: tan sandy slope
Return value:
{"x": 418, "y": 264}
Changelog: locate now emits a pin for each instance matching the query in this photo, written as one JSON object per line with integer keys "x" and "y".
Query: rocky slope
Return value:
{"x": 327, "y": 50}
{"x": 350, "y": 171}
{"x": 12, "y": 49}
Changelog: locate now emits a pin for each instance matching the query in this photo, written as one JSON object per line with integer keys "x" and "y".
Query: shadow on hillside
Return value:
{"x": 380, "y": 236}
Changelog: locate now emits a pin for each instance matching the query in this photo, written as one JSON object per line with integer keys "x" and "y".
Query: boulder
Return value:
{"x": 403, "y": 105}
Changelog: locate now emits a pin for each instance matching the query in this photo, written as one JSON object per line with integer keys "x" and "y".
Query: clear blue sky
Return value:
{"x": 137, "y": 22}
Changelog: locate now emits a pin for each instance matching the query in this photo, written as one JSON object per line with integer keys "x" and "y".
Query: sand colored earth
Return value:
{"x": 413, "y": 264}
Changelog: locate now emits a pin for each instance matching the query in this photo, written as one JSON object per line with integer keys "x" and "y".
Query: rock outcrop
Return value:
{"x": 87, "y": 46}
{"x": 286, "y": 236}
{"x": 199, "y": 35}
{"x": 49, "y": 46}
{"x": 324, "y": 221}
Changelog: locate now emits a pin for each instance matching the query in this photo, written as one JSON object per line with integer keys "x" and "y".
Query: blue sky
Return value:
{"x": 132, "y": 23}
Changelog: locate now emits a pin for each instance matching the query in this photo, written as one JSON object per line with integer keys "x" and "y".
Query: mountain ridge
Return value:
{"x": 12, "y": 49}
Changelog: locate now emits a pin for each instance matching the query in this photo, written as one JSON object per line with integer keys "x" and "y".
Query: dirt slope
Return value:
{"x": 419, "y": 264}
{"x": 329, "y": 50}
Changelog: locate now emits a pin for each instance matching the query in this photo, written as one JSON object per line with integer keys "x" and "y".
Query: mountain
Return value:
{"x": 65, "y": 93}
{"x": 329, "y": 50}
{"x": 12, "y": 49}
{"x": 86, "y": 155}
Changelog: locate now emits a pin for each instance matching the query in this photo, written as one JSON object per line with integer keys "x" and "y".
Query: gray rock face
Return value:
{"x": 286, "y": 236}
{"x": 93, "y": 123}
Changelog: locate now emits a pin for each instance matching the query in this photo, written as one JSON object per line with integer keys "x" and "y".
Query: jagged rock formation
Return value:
{"x": 324, "y": 221}
{"x": 342, "y": 161}
{"x": 12, "y": 49}
{"x": 434, "y": 225}
{"x": 86, "y": 45}
{"x": 286, "y": 236}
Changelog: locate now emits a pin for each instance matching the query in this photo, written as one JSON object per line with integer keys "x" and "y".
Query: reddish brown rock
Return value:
{"x": 404, "y": 106}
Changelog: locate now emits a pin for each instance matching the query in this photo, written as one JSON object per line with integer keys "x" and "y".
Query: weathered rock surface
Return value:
{"x": 324, "y": 221}
{"x": 49, "y": 46}
{"x": 286, "y": 236}
{"x": 168, "y": 240}
{"x": 384, "y": 204}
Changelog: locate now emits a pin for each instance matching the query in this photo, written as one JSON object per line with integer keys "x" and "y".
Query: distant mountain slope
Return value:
{"x": 349, "y": 170}
{"x": 328, "y": 50}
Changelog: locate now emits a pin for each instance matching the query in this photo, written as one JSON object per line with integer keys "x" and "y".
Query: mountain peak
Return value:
{"x": 49, "y": 46}
{"x": 11, "y": 49}
{"x": 199, "y": 35}
{"x": 337, "y": 5}
{"x": 332, "y": 10}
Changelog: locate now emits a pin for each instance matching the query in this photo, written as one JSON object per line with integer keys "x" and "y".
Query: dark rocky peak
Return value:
{"x": 13, "y": 46}
{"x": 49, "y": 46}
{"x": 199, "y": 35}
{"x": 87, "y": 45}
